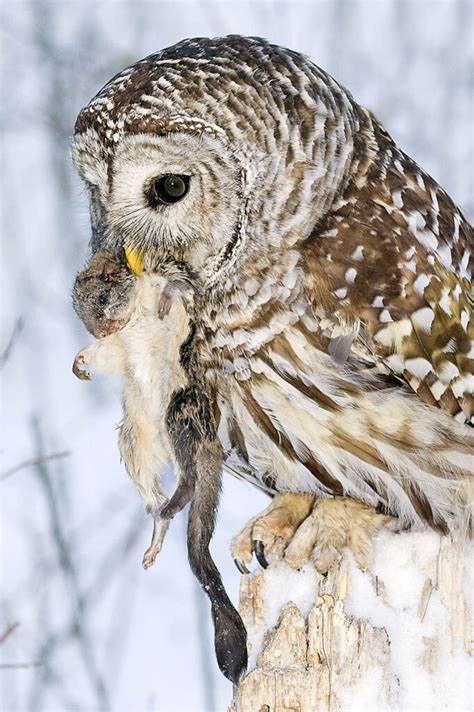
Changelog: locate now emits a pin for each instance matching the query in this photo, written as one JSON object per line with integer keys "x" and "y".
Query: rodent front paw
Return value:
{"x": 80, "y": 360}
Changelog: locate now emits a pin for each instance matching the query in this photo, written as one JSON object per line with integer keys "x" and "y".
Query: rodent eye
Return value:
{"x": 103, "y": 299}
{"x": 169, "y": 189}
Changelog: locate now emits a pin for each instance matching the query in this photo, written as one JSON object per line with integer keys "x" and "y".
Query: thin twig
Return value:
{"x": 16, "y": 331}
{"x": 8, "y": 666}
{"x": 34, "y": 462}
{"x": 6, "y": 633}
{"x": 71, "y": 577}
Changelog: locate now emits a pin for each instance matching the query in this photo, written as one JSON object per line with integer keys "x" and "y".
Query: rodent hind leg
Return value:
{"x": 160, "y": 527}
{"x": 185, "y": 432}
{"x": 144, "y": 463}
{"x": 182, "y": 495}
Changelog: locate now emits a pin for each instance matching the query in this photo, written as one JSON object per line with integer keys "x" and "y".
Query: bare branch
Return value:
{"x": 69, "y": 572}
{"x": 17, "y": 329}
{"x": 34, "y": 462}
{"x": 8, "y": 631}
{"x": 8, "y": 666}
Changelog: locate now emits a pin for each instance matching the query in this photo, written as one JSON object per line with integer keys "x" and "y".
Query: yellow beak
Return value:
{"x": 135, "y": 260}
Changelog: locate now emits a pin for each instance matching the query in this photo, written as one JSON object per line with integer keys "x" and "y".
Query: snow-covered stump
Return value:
{"x": 394, "y": 637}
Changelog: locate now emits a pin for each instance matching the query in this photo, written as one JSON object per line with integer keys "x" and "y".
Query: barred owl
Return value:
{"x": 334, "y": 309}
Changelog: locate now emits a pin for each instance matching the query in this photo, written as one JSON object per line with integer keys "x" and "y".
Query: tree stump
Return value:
{"x": 393, "y": 637}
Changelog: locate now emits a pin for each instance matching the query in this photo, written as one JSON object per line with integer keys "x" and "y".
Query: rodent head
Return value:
{"x": 104, "y": 294}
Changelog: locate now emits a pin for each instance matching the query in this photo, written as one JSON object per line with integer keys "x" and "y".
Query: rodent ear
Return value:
{"x": 110, "y": 271}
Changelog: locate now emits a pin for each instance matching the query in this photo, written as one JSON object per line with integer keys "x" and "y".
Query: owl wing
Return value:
{"x": 392, "y": 270}
{"x": 387, "y": 283}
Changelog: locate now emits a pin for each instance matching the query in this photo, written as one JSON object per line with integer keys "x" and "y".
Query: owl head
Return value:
{"x": 215, "y": 151}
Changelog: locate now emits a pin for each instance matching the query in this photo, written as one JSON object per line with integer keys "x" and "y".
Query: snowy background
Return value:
{"x": 82, "y": 626}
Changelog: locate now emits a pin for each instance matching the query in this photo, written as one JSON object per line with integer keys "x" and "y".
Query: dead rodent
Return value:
{"x": 137, "y": 341}
{"x": 168, "y": 413}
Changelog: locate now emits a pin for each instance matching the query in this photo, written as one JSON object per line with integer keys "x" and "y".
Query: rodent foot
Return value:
{"x": 76, "y": 367}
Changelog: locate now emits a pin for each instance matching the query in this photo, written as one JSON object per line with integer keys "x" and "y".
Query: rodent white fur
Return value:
{"x": 146, "y": 353}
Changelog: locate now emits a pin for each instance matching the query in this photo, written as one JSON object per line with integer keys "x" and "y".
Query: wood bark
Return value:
{"x": 393, "y": 637}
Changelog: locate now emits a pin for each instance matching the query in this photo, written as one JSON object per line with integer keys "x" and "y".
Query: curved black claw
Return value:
{"x": 259, "y": 551}
{"x": 241, "y": 566}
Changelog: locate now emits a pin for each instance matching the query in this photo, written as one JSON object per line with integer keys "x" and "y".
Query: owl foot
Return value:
{"x": 301, "y": 528}
{"x": 79, "y": 361}
{"x": 265, "y": 533}
{"x": 333, "y": 525}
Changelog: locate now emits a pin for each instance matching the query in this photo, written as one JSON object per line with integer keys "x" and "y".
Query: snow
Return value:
{"x": 397, "y": 566}
{"x": 282, "y": 584}
{"x": 408, "y": 594}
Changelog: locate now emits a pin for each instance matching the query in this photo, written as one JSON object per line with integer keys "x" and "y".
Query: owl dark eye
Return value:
{"x": 103, "y": 299}
{"x": 169, "y": 189}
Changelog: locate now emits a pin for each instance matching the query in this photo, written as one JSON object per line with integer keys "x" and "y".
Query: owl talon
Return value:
{"x": 241, "y": 566}
{"x": 302, "y": 529}
{"x": 259, "y": 551}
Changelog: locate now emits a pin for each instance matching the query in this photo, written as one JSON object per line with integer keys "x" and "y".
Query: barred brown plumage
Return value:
{"x": 335, "y": 311}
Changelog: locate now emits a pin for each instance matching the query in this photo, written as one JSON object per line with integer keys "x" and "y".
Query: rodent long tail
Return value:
{"x": 230, "y": 636}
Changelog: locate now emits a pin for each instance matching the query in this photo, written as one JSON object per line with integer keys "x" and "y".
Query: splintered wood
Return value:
{"x": 393, "y": 637}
